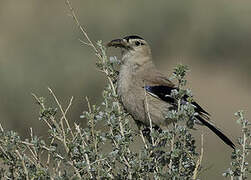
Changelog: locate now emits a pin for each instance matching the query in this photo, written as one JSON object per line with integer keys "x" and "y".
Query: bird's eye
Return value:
{"x": 137, "y": 43}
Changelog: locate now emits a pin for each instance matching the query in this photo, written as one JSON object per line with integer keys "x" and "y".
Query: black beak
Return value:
{"x": 117, "y": 43}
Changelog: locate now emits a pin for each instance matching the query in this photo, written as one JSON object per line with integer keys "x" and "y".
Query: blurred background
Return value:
{"x": 39, "y": 48}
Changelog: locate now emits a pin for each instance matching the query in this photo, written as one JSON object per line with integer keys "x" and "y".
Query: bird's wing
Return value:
{"x": 161, "y": 88}
{"x": 164, "y": 93}
{"x": 156, "y": 78}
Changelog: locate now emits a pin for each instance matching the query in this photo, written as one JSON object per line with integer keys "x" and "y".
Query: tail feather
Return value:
{"x": 217, "y": 132}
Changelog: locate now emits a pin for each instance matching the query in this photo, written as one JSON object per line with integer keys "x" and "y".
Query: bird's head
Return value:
{"x": 132, "y": 47}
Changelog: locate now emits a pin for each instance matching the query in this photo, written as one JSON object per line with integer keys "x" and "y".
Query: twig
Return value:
{"x": 171, "y": 161}
{"x": 92, "y": 126}
{"x": 242, "y": 174}
{"x": 143, "y": 139}
{"x": 61, "y": 122}
{"x": 57, "y": 168}
{"x": 23, "y": 164}
{"x": 66, "y": 121}
{"x": 85, "y": 43}
{"x": 5, "y": 154}
{"x": 84, "y": 32}
{"x": 31, "y": 151}
{"x": 1, "y": 128}
{"x": 43, "y": 107}
{"x": 44, "y": 147}
{"x": 195, "y": 173}
{"x": 149, "y": 116}
{"x": 49, "y": 155}
{"x": 88, "y": 164}
{"x": 38, "y": 100}
{"x": 97, "y": 161}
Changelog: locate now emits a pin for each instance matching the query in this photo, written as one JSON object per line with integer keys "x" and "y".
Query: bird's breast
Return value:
{"x": 131, "y": 92}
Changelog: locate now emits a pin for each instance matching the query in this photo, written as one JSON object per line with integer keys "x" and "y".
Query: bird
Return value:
{"x": 139, "y": 78}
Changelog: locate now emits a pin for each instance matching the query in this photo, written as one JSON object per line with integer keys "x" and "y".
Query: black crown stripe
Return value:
{"x": 127, "y": 38}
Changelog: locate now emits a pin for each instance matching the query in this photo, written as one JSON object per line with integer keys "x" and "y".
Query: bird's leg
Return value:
{"x": 146, "y": 131}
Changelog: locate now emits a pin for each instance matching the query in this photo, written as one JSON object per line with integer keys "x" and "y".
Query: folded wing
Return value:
{"x": 163, "y": 92}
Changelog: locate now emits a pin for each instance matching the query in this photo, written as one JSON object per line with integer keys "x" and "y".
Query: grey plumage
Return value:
{"x": 137, "y": 72}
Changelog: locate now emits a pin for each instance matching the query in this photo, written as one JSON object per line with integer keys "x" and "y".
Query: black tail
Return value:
{"x": 217, "y": 132}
